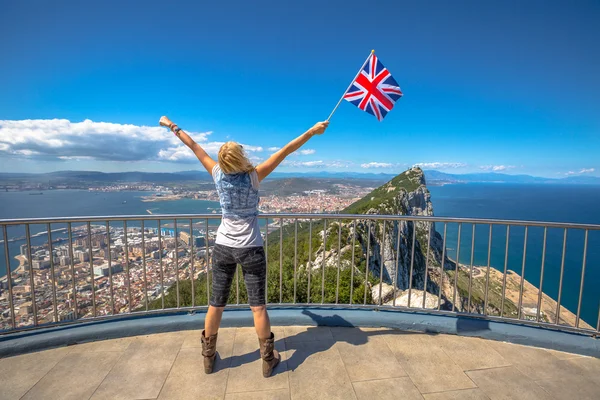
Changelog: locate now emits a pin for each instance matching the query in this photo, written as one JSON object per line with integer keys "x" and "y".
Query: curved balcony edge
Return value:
{"x": 134, "y": 325}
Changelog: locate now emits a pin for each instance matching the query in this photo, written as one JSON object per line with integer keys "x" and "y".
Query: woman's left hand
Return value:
{"x": 319, "y": 128}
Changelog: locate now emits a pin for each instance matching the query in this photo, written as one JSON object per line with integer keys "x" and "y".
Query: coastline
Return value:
{"x": 529, "y": 299}
{"x": 20, "y": 269}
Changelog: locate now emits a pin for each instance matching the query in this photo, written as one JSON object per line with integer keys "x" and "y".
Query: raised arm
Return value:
{"x": 204, "y": 158}
{"x": 264, "y": 169}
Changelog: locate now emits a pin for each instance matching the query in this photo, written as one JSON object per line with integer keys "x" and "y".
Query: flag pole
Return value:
{"x": 350, "y": 85}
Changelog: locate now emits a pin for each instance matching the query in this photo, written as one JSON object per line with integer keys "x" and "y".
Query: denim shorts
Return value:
{"x": 254, "y": 268}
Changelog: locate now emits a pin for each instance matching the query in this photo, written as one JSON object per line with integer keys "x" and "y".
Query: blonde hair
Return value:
{"x": 233, "y": 160}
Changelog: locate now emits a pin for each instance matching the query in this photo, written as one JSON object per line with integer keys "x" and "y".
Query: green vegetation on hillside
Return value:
{"x": 408, "y": 180}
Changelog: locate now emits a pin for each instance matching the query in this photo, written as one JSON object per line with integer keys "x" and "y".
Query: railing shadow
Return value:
{"x": 306, "y": 343}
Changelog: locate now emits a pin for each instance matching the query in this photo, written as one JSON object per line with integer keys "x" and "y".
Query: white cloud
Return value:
{"x": 61, "y": 139}
{"x": 316, "y": 164}
{"x": 376, "y": 165}
{"x": 496, "y": 168}
{"x": 307, "y": 152}
{"x": 339, "y": 164}
{"x": 441, "y": 165}
{"x": 273, "y": 148}
{"x": 582, "y": 171}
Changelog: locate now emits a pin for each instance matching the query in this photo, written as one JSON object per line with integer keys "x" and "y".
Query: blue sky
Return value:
{"x": 510, "y": 86}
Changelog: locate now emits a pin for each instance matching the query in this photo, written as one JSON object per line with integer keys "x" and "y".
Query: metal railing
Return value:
{"x": 118, "y": 266}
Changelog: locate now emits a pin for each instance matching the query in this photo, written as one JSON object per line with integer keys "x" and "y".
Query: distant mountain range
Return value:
{"x": 492, "y": 177}
{"x": 432, "y": 176}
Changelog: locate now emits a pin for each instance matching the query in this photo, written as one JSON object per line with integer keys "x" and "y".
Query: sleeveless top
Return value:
{"x": 238, "y": 194}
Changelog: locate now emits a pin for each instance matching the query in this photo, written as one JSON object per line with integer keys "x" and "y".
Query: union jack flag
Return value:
{"x": 374, "y": 90}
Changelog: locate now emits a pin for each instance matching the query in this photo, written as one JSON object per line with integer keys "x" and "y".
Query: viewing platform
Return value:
{"x": 362, "y": 306}
{"x": 317, "y": 363}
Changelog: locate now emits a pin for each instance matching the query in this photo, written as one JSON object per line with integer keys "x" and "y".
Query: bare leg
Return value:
{"x": 213, "y": 320}
{"x": 262, "y": 324}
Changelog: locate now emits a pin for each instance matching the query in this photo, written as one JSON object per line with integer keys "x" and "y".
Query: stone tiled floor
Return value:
{"x": 318, "y": 363}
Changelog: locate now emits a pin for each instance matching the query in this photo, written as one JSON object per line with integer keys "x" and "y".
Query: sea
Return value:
{"x": 543, "y": 202}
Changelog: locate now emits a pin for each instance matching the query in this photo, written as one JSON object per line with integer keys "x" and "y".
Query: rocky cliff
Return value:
{"x": 389, "y": 244}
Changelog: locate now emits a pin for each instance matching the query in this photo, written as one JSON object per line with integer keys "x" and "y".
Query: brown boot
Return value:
{"x": 269, "y": 355}
{"x": 209, "y": 351}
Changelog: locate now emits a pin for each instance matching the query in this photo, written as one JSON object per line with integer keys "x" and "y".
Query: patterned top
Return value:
{"x": 238, "y": 194}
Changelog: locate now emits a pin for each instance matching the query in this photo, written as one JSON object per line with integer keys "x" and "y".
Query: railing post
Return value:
{"x": 31, "y": 280}
{"x": 192, "y": 271}
{"x": 73, "y": 284}
{"x": 339, "y": 256}
{"x": 487, "y": 274}
{"x": 323, "y": 264}
{"x": 267, "y": 262}
{"x": 427, "y": 265}
{"x": 207, "y": 265}
{"x": 585, "y": 243}
{"x": 381, "y": 264}
{"x": 456, "y": 268}
{"x": 540, "y": 291}
{"x": 396, "y": 261}
{"x": 309, "y": 266}
{"x": 505, "y": 269}
{"x": 352, "y": 263}
{"x": 112, "y": 297}
{"x": 52, "y": 272}
{"x": 127, "y": 263}
{"x": 9, "y": 277}
{"x": 471, "y": 269}
{"x": 144, "y": 266}
{"x": 412, "y": 261}
{"x": 176, "y": 262}
{"x": 295, "y": 257}
{"x": 442, "y": 273}
{"x": 280, "y": 260}
{"x": 367, "y": 261}
{"x": 91, "y": 256}
{"x": 522, "y": 286}
{"x": 562, "y": 271}
{"x": 160, "y": 263}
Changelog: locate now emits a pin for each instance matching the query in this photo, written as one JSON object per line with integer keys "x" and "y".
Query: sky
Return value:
{"x": 498, "y": 86}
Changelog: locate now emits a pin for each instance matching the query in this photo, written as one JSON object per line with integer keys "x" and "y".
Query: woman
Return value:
{"x": 238, "y": 237}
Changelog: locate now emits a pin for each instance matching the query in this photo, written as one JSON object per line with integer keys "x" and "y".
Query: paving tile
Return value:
{"x": 507, "y": 383}
{"x": 142, "y": 369}
{"x": 572, "y": 387}
{"x": 18, "y": 374}
{"x": 245, "y": 371}
{"x": 187, "y": 379}
{"x": 429, "y": 367}
{"x": 277, "y": 394}
{"x": 585, "y": 366}
{"x": 168, "y": 339}
{"x": 103, "y": 345}
{"x": 471, "y": 353}
{"x": 537, "y": 364}
{"x": 368, "y": 358}
{"x": 75, "y": 377}
{"x": 561, "y": 355}
{"x": 294, "y": 334}
{"x": 316, "y": 371}
{"x": 465, "y": 394}
{"x": 395, "y": 388}
{"x": 357, "y": 333}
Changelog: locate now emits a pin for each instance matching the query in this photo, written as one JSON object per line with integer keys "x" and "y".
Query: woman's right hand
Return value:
{"x": 319, "y": 128}
{"x": 164, "y": 121}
